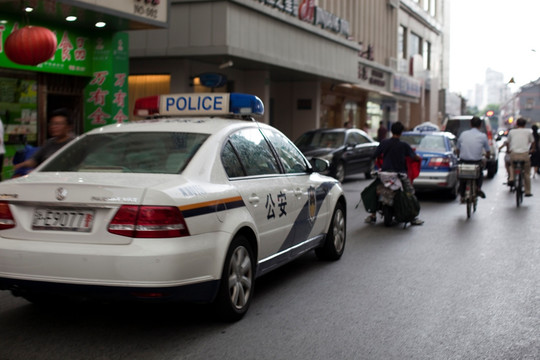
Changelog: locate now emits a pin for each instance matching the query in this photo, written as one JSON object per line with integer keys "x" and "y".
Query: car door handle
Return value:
{"x": 298, "y": 192}
{"x": 253, "y": 199}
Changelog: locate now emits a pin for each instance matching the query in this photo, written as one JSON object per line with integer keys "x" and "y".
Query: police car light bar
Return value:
{"x": 199, "y": 104}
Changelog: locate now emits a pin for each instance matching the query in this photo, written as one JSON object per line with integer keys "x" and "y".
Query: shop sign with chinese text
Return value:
{"x": 106, "y": 93}
{"x": 73, "y": 55}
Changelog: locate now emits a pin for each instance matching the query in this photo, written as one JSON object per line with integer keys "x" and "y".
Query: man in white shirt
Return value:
{"x": 519, "y": 142}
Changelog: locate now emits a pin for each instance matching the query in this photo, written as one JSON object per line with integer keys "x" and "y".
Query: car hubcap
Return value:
{"x": 240, "y": 277}
{"x": 339, "y": 230}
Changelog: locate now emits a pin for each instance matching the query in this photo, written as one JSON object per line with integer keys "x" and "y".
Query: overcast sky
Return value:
{"x": 503, "y": 35}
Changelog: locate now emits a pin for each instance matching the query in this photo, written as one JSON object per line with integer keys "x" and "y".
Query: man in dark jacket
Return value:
{"x": 394, "y": 153}
{"x": 60, "y": 128}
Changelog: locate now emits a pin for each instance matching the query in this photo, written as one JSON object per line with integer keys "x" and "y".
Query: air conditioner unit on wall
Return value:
{"x": 393, "y": 3}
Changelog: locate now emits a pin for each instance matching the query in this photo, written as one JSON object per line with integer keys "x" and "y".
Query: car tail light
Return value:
{"x": 489, "y": 134}
{"x": 148, "y": 222}
{"x": 6, "y": 218}
{"x": 146, "y": 106}
{"x": 439, "y": 162}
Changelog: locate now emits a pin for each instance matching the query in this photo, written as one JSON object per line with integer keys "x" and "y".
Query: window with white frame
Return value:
{"x": 429, "y": 7}
{"x": 402, "y": 42}
{"x": 415, "y": 44}
{"x": 426, "y": 55}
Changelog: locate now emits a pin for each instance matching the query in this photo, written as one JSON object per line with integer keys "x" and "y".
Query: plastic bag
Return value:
{"x": 406, "y": 206}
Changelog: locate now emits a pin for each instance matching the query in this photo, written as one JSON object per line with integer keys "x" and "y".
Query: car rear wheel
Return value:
{"x": 492, "y": 168}
{"x": 237, "y": 281}
{"x": 51, "y": 301}
{"x": 334, "y": 243}
{"x": 40, "y": 299}
{"x": 453, "y": 191}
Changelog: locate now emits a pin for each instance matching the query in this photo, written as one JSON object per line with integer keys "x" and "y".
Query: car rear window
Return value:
{"x": 425, "y": 142}
{"x": 456, "y": 127}
{"x": 135, "y": 152}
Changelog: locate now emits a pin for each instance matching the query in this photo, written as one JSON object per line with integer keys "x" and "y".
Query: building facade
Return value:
{"x": 313, "y": 63}
{"x": 423, "y": 45}
{"x": 494, "y": 87}
{"x": 524, "y": 103}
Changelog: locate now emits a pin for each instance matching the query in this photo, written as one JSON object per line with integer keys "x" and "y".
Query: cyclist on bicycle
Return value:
{"x": 520, "y": 142}
{"x": 471, "y": 146}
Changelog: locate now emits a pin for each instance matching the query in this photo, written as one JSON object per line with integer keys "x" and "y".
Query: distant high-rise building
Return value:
{"x": 478, "y": 96}
{"x": 494, "y": 86}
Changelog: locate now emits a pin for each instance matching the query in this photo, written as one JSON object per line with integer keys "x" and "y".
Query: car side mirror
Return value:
{"x": 319, "y": 165}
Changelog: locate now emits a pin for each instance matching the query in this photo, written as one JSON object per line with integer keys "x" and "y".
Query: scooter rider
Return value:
{"x": 471, "y": 145}
{"x": 394, "y": 153}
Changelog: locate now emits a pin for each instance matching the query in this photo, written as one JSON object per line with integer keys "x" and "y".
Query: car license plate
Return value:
{"x": 64, "y": 219}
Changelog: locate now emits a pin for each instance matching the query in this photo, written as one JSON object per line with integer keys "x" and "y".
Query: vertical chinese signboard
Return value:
{"x": 106, "y": 93}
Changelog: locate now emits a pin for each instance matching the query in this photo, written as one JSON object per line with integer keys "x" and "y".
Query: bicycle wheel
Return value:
{"x": 519, "y": 189}
{"x": 468, "y": 197}
{"x": 474, "y": 195}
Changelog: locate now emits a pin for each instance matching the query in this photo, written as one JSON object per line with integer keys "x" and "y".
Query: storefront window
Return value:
{"x": 351, "y": 114}
{"x": 18, "y": 111}
{"x": 374, "y": 118}
{"x": 18, "y": 108}
{"x": 147, "y": 85}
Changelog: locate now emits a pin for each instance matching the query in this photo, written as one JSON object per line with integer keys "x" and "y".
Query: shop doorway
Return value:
{"x": 62, "y": 91}
{"x": 74, "y": 103}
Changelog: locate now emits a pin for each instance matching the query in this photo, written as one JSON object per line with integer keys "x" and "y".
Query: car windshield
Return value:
{"x": 135, "y": 152}
{"x": 425, "y": 142}
{"x": 318, "y": 139}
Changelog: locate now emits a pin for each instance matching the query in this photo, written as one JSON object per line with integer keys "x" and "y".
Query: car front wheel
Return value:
{"x": 237, "y": 281}
{"x": 334, "y": 243}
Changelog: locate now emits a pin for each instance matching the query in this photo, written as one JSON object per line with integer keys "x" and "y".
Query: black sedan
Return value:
{"x": 349, "y": 151}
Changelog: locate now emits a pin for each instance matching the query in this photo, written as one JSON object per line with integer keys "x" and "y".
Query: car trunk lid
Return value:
{"x": 77, "y": 207}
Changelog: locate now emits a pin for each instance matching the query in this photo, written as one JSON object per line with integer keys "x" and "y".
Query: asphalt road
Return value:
{"x": 454, "y": 288}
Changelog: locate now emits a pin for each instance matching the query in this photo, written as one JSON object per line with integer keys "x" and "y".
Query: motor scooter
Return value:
{"x": 391, "y": 196}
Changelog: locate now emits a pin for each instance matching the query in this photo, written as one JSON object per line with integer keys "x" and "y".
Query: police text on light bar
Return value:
{"x": 198, "y": 104}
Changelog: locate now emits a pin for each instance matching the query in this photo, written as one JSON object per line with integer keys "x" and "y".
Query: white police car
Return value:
{"x": 180, "y": 208}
